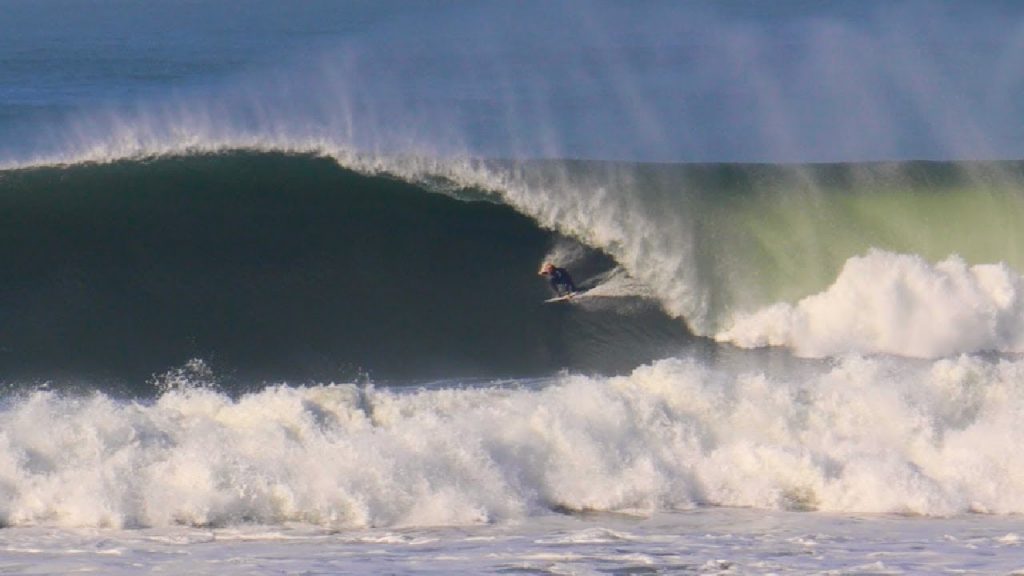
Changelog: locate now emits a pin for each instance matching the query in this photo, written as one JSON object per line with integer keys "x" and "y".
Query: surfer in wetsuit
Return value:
{"x": 560, "y": 280}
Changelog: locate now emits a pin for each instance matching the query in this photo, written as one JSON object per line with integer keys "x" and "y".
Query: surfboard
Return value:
{"x": 564, "y": 298}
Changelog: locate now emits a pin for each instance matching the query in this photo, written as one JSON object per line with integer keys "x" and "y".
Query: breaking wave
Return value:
{"x": 861, "y": 435}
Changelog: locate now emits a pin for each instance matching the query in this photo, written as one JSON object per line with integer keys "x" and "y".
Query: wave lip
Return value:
{"x": 885, "y": 303}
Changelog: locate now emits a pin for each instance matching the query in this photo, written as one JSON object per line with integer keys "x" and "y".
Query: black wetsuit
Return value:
{"x": 561, "y": 282}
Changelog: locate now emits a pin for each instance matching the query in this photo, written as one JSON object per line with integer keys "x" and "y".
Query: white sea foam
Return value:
{"x": 863, "y": 435}
{"x": 897, "y": 304}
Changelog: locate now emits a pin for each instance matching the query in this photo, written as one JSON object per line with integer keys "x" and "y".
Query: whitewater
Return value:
{"x": 575, "y": 471}
{"x": 860, "y": 436}
{"x": 271, "y": 302}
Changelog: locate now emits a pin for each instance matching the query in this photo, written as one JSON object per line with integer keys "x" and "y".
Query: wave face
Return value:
{"x": 861, "y": 435}
{"x": 278, "y": 266}
{"x": 285, "y": 267}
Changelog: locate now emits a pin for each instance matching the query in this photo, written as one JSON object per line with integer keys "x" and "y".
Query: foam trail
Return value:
{"x": 864, "y": 435}
{"x": 897, "y": 304}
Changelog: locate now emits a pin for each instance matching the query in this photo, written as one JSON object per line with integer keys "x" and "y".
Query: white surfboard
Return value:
{"x": 564, "y": 298}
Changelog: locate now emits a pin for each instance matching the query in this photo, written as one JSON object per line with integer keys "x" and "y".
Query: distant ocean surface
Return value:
{"x": 270, "y": 300}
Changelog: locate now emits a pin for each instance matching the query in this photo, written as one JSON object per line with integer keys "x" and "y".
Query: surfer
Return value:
{"x": 560, "y": 280}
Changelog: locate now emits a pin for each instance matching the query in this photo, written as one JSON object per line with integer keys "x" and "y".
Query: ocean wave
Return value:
{"x": 708, "y": 243}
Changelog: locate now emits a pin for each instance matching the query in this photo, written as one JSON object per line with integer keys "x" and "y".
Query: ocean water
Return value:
{"x": 269, "y": 300}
